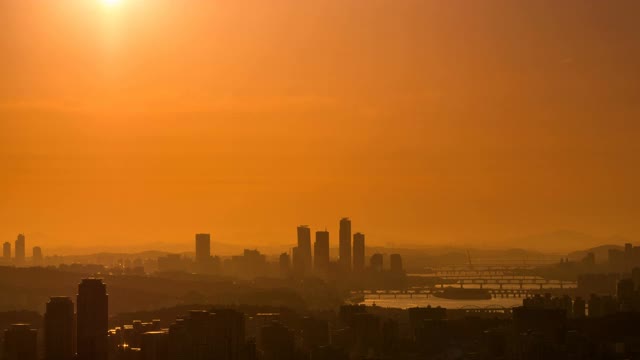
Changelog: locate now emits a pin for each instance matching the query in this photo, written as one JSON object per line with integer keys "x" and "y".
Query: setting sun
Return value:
{"x": 110, "y": 2}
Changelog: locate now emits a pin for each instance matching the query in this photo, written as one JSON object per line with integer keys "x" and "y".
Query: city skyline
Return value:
{"x": 319, "y": 180}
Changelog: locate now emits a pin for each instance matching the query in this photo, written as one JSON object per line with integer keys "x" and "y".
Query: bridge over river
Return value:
{"x": 499, "y": 283}
{"x": 493, "y": 278}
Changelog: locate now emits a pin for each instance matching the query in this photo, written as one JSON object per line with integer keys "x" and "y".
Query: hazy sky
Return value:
{"x": 427, "y": 122}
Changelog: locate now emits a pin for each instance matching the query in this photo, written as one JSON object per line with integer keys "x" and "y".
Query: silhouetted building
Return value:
{"x": 6, "y": 250}
{"x": 228, "y": 334}
{"x": 628, "y": 256}
{"x": 550, "y": 322}
{"x": 600, "y": 306}
{"x": 395, "y": 262}
{"x": 37, "y": 255}
{"x": 418, "y": 315}
{"x": 366, "y": 333}
{"x": 579, "y": 308}
{"x": 315, "y": 333}
{"x": 348, "y": 312}
{"x": 626, "y": 294}
{"x": 358, "y": 252}
{"x": 59, "y": 329}
{"x": 154, "y": 345}
{"x": 616, "y": 259}
{"x": 219, "y": 334}
{"x": 20, "y": 248}
{"x": 276, "y": 342}
{"x": 635, "y": 276}
{"x": 328, "y": 353}
{"x": 203, "y": 248}
{"x": 600, "y": 284}
{"x": 249, "y": 265}
{"x": 376, "y": 262}
{"x": 93, "y": 316}
{"x": 297, "y": 262}
{"x": 304, "y": 248}
{"x": 345, "y": 244}
{"x": 172, "y": 263}
{"x": 285, "y": 264}
{"x": 321, "y": 252}
{"x": 20, "y": 343}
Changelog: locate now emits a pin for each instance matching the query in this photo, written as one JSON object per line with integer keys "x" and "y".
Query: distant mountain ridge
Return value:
{"x": 601, "y": 253}
{"x": 565, "y": 241}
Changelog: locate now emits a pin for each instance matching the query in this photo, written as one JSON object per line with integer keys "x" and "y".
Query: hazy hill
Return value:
{"x": 563, "y": 241}
{"x": 601, "y": 252}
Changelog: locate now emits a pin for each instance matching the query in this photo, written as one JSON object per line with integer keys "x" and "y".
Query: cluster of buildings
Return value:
{"x": 68, "y": 334}
{"x": 82, "y": 333}
{"x": 624, "y": 260}
{"x": 20, "y": 258}
{"x": 305, "y": 259}
{"x": 545, "y": 327}
{"x": 351, "y": 254}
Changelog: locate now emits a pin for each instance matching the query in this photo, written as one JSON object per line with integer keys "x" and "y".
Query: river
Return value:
{"x": 404, "y": 302}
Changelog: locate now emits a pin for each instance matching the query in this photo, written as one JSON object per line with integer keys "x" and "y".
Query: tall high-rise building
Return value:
{"x": 285, "y": 264}
{"x": 154, "y": 345}
{"x": 304, "y": 247}
{"x": 59, "y": 329}
{"x": 20, "y": 343}
{"x": 93, "y": 316}
{"x": 395, "y": 261}
{"x": 376, "y": 262}
{"x": 6, "y": 250}
{"x": 216, "y": 335}
{"x": 297, "y": 262}
{"x": 228, "y": 334}
{"x": 37, "y": 255}
{"x": 203, "y": 247}
{"x": 20, "y": 248}
{"x": 321, "y": 252}
{"x": 358, "y": 252}
{"x": 345, "y": 244}
{"x": 277, "y": 342}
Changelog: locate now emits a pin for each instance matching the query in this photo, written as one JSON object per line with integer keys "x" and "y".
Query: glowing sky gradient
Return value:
{"x": 427, "y": 122}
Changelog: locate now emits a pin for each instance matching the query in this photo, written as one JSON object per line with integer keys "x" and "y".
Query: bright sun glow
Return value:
{"x": 110, "y": 2}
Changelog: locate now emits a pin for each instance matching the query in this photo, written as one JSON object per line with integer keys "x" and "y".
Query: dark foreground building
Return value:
{"x": 20, "y": 343}
{"x": 59, "y": 329}
{"x": 93, "y": 316}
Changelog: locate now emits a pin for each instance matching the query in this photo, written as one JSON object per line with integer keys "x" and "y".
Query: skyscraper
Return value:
{"x": 154, "y": 345}
{"x": 93, "y": 315}
{"x": 358, "y": 252}
{"x": 321, "y": 252}
{"x": 6, "y": 250}
{"x": 345, "y": 244}
{"x": 277, "y": 342}
{"x": 203, "y": 247}
{"x": 376, "y": 262}
{"x": 20, "y": 343}
{"x": 228, "y": 334}
{"x": 37, "y": 255}
{"x": 20, "y": 248}
{"x": 395, "y": 261}
{"x": 304, "y": 247}
{"x": 285, "y": 264}
{"x": 296, "y": 262}
{"x": 58, "y": 329}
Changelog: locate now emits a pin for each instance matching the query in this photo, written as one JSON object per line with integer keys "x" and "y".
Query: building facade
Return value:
{"x": 345, "y": 244}
{"x": 93, "y": 315}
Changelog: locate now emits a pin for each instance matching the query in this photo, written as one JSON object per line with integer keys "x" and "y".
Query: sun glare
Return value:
{"x": 110, "y": 2}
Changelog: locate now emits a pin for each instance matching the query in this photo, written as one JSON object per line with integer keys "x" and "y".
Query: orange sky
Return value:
{"x": 428, "y": 122}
